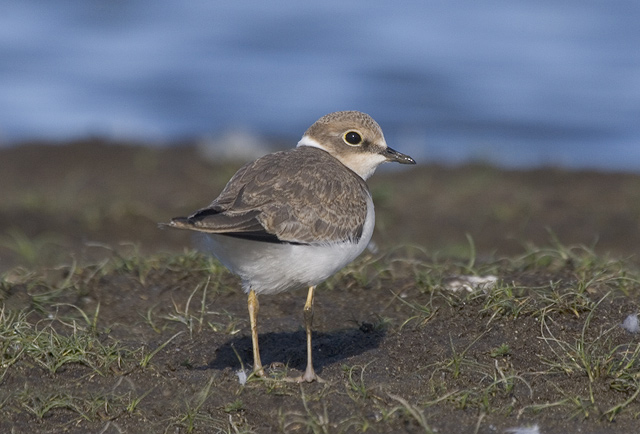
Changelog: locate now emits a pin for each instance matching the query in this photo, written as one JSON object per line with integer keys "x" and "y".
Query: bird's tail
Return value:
{"x": 177, "y": 223}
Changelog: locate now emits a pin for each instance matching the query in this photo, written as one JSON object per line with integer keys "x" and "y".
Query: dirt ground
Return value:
{"x": 79, "y": 244}
{"x": 106, "y": 193}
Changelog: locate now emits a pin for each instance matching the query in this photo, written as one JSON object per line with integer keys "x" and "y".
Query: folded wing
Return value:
{"x": 302, "y": 196}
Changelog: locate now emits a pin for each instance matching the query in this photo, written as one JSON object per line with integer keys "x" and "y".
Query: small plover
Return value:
{"x": 292, "y": 219}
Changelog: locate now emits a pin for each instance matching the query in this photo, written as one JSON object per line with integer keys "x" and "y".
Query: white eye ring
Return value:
{"x": 353, "y": 138}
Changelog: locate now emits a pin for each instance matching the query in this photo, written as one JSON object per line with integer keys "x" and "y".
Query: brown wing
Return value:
{"x": 301, "y": 196}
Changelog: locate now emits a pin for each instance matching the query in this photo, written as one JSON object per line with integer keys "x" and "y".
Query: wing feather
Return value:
{"x": 283, "y": 197}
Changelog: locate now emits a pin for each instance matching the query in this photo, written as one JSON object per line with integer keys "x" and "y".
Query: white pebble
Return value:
{"x": 470, "y": 283}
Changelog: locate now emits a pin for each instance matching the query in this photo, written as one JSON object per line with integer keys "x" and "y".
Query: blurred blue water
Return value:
{"x": 513, "y": 83}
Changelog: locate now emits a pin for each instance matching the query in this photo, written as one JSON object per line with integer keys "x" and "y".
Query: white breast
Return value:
{"x": 269, "y": 268}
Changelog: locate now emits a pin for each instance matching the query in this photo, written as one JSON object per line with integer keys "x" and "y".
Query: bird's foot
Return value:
{"x": 258, "y": 371}
{"x": 309, "y": 376}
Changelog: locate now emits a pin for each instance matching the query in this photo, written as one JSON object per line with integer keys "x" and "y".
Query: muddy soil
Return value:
{"x": 67, "y": 196}
{"x": 385, "y": 365}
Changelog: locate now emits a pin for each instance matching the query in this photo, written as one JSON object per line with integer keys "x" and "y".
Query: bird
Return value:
{"x": 291, "y": 219}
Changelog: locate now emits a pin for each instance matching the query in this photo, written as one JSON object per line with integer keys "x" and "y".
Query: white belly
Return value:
{"x": 269, "y": 268}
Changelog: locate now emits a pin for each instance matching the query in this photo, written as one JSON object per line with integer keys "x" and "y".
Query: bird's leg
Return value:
{"x": 254, "y": 306}
{"x": 309, "y": 373}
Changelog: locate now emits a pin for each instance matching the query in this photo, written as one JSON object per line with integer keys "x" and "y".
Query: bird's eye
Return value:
{"x": 352, "y": 138}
